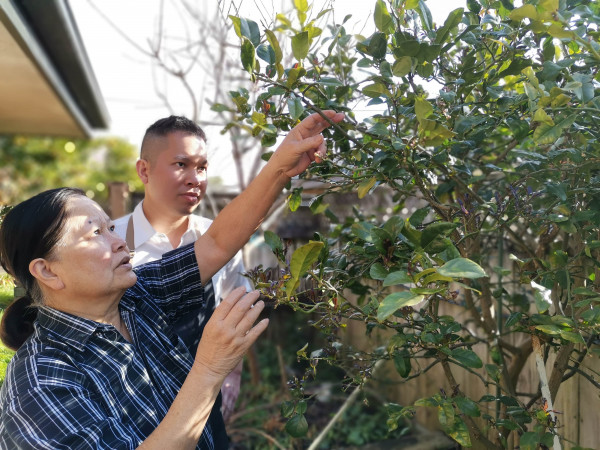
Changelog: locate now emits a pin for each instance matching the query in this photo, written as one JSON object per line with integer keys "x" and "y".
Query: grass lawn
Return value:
{"x": 6, "y": 296}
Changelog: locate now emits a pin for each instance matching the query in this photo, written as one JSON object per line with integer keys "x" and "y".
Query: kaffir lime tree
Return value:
{"x": 501, "y": 161}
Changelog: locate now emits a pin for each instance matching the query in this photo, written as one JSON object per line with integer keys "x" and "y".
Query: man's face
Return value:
{"x": 176, "y": 175}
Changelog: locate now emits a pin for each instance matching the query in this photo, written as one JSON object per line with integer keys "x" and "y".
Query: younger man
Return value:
{"x": 173, "y": 167}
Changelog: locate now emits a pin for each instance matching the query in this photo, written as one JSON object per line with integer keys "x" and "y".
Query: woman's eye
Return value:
{"x": 97, "y": 231}
{"x": 112, "y": 228}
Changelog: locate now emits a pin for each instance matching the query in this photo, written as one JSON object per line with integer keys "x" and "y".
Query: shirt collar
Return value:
{"x": 73, "y": 330}
{"x": 143, "y": 230}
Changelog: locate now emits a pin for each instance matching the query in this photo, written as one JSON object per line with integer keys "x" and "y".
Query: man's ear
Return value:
{"x": 42, "y": 271}
{"x": 142, "y": 166}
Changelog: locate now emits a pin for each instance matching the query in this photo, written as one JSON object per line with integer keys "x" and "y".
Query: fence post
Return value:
{"x": 118, "y": 195}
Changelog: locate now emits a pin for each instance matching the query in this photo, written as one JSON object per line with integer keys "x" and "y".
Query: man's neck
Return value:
{"x": 173, "y": 226}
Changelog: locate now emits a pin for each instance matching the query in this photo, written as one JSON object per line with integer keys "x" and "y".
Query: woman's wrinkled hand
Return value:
{"x": 230, "y": 332}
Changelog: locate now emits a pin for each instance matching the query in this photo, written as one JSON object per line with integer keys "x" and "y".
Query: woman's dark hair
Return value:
{"x": 30, "y": 230}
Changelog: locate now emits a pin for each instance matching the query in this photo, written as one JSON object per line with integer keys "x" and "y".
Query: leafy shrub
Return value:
{"x": 495, "y": 187}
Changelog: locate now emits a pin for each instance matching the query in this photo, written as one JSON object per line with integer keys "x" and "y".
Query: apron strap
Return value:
{"x": 129, "y": 236}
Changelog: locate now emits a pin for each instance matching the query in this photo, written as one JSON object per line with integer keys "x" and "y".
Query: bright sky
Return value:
{"x": 125, "y": 74}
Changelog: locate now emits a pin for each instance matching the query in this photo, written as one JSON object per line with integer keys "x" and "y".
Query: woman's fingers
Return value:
{"x": 228, "y": 303}
{"x": 248, "y": 319}
{"x": 314, "y": 123}
{"x": 241, "y": 308}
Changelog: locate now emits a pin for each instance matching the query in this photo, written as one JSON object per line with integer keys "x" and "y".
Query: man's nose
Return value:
{"x": 196, "y": 177}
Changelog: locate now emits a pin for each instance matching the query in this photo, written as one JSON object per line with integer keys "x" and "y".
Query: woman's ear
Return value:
{"x": 42, "y": 271}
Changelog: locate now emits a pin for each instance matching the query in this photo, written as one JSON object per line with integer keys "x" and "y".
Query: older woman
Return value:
{"x": 103, "y": 367}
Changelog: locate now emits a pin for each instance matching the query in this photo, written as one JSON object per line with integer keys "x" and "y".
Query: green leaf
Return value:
{"x": 301, "y": 5}
{"x": 295, "y": 107}
{"x": 362, "y": 230}
{"x": 467, "y": 358}
{"x": 259, "y": 118}
{"x": 378, "y": 272}
{"x": 434, "y": 230}
{"x": 295, "y": 200}
{"x": 451, "y": 22}
{"x": 467, "y": 406}
{"x": 402, "y": 363}
{"x": 247, "y": 55}
{"x": 572, "y": 336}
{"x": 219, "y": 107}
{"x": 397, "y": 277}
{"x": 493, "y": 371}
{"x": 395, "y": 301}
{"x": 558, "y": 190}
{"x": 383, "y": 20}
{"x": 462, "y": 268}
{"x": 524, "y": 12}
{"x": 246, "y": 28}
{"x": 300, "y": 45}
{"x": 556, "y": 30}
{"x": 297, "y": 426}
{"x": 375, "y": 90}
{"x": 459, "y": 432}
{"x": 304, "y": 257}
{"x": 423, "y": 108}
{"x": 548, "y": 134}
{"x": 287, "y": 408}
{"x": 275, "y": 45}
{"x": 529, "y": 440}
{"x": 402, "y": 66}
{"x": 365, "y": 187}
{"x": 552, "y": 330}
{"x": 425, "y": 15}
{"x": 541, "y": 116}
{"x": 377, "y": 46}
{"x": 273, "y": 241}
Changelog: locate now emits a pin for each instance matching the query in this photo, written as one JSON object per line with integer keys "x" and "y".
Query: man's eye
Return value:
{"x": 97, "y": 231}
{"x": 180, "y": 164}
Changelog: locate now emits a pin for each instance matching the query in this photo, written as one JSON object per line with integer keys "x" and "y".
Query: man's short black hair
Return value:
{"x": 171, "y": 124}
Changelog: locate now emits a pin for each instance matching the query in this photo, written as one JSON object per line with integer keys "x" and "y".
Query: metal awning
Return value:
{"x": 47, "y": 86}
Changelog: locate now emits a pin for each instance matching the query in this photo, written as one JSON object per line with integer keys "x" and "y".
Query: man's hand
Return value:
{"x": 303, "y": 144}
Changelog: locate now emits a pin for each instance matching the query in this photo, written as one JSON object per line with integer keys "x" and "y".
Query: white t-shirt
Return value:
{"x": 150, "y": 246}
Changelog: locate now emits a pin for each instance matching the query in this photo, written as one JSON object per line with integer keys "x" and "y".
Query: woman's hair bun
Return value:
{"x": 17, "y": 322}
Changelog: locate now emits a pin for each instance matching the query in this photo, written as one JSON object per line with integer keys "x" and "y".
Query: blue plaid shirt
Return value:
{"x": 78, "y": 384}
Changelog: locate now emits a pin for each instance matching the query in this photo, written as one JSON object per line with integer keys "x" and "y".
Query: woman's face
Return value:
{"x": 91, "y": 260}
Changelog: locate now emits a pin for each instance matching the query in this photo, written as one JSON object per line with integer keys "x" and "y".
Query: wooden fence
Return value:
{"x": 577, "y": 403}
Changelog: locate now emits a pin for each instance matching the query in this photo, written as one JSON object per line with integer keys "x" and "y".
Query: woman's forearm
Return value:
{"x": 235, "y": 224}
{"x": 182, "y": 427}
